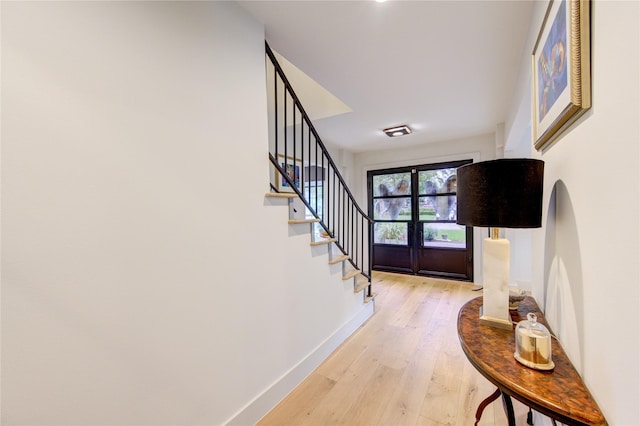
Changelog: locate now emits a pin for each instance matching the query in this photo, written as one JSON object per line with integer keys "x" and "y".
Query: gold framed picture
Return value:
{"x": 561, "y": 70}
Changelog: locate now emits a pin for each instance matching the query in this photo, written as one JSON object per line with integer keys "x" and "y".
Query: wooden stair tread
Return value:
{"x": 350, "y": 274}
{"x": 338, "y": 259}
{"x": 361, "y": 285}
{"x": 281, "y": 195}
{"x": 370, "y": 298}
{"x": 315, "y": 219}
{"x": 323, "y": 241}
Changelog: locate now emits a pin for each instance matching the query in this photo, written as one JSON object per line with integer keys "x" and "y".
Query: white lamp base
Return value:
{"x": 495, "y": 268}
{"x": 495, "y": 322}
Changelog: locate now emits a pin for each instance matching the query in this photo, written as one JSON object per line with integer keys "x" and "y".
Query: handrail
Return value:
{"x": 341, "y": 216}
{"x": 313, "y": 130}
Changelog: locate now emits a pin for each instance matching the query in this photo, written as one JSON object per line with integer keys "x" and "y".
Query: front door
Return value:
{"x": 415, "y": 228}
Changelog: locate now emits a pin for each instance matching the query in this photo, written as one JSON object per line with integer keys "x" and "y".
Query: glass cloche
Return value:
{"x": 533, "y": 344}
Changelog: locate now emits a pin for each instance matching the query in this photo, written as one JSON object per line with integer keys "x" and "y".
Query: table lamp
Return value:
{"x": 504, "y": 193}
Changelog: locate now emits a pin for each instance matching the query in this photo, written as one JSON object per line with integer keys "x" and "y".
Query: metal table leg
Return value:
{"x": 508, "y": 408}
{"x": 484, "y": 404}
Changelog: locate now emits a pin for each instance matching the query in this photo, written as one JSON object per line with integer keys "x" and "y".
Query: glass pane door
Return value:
{"x": 437, "y": 202}
{"x": 392, "y": 208}
{"x": 415, "y": 228}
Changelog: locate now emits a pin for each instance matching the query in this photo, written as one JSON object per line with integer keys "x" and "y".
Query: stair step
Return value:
{"x": 350, "y": 274}
{"x": 361, "y": 285}
{"x": 370, "y": 298}
{"x": 281, "y": 195}
{"x": 315, "y": 219}
{"x": 323, "y": 241}
{"x": 338, "y": 259}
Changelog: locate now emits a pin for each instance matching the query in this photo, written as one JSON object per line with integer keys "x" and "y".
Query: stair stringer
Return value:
{"x": 336, "y": 256}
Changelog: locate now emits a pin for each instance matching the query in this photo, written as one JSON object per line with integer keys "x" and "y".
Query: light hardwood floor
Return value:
{"x": 404, "y": 366}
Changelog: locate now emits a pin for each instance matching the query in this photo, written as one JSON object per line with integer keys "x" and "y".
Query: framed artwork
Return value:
{"x": 561, "y": 70}
{"x": 297, "y": 169}
{"x": 292, "y": 166}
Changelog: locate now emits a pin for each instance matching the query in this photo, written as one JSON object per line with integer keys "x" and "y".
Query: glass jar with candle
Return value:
{"x": 533, "y": 344}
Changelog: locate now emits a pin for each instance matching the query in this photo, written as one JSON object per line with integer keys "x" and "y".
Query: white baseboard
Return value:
{"x": 263, "y": 403}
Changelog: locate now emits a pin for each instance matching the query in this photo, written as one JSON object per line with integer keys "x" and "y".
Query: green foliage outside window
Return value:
{"x": 391, "y": 232}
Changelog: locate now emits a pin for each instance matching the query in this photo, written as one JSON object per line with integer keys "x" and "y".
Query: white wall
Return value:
{"x": 586, "y": 269}
{"x": 478, "y": 148}
{"x": 145, "y": 278}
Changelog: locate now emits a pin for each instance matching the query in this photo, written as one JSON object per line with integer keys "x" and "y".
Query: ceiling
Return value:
{"x": 445, "y": 68}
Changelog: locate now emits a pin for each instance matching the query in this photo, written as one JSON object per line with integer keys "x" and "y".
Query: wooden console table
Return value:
{"x": 560, "y": 393}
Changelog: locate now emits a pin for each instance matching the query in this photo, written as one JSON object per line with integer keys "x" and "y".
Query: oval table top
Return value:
{"x": 559, "y": 393}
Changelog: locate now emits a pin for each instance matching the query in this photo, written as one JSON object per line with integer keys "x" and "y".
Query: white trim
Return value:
{"x": 263, "y": 403}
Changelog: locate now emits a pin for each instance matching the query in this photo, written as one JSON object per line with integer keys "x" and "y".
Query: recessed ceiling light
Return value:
{"x": 380, "y": 1}
{"x": 392, "y": 132}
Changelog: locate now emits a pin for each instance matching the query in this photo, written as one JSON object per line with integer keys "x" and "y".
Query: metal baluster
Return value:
{"x": 293, "y": 134}
{"x": 275, "y": 101}
{"x": 355, "y": 240}
{"x": 284, "y": 128}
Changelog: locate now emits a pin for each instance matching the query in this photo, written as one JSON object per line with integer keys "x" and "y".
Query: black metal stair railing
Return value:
{"x": 303, "y": 165}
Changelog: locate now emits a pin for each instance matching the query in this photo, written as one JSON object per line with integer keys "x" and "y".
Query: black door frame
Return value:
{"x": 408, "y": 258}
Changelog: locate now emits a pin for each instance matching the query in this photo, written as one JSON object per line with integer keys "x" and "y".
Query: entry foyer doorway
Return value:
{"x": 415, "y": 230}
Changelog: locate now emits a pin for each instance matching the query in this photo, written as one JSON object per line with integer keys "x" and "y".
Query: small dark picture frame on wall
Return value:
{"x": 292, "y": 168}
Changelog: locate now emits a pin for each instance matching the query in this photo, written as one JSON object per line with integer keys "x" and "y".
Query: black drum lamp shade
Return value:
{"x": 504, "y": 193}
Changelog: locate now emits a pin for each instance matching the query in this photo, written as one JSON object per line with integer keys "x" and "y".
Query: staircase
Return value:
{"x": 360, "y": 281}
{"x": 306, "y": 176}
